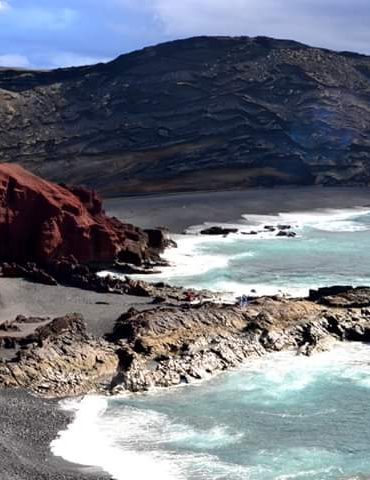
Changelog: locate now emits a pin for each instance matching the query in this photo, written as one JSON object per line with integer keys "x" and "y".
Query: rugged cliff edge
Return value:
{"x": 43, "y": 222}
{"x": 201, "y": 113}
{"x": 171, "y": 345}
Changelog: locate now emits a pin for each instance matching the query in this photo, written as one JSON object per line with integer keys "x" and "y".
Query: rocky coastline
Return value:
{"x": 175, "y": 344}
{"x": 172, "y": 340}
{"x": 165, "y": 340}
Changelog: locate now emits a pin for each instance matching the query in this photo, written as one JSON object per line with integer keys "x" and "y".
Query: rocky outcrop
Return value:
{"x": 202, "y": 113}
{"x": 172, "y": 344}
{"x": 167, "y": 346}
{"x": 68, "y": 272}
{"x": 342, "y": 296}
{"x": 57, "y": 358}
{"x": 44, "y": 222}
{"x": 215, "y": 230}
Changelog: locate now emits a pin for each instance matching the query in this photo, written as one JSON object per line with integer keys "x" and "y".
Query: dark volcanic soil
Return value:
{"x": 179, "y": 211}
{"x": 195, "y": 114}
{"x": 19, "y": 297}
{"x": 27, "y": 427}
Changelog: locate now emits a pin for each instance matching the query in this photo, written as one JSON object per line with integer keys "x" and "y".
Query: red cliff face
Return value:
{"x": 42, "y": 221}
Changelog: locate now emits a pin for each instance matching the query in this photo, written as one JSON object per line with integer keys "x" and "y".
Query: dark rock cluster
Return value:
{"x": 70, "y": 273}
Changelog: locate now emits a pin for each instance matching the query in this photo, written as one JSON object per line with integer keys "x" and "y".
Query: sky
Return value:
{"x": 58, "y": 33}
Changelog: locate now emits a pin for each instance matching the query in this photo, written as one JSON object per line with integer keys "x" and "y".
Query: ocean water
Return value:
{"x": 331, "y": 248}
{"x": 277, "y": 418}
{"x": 281, "y": 417}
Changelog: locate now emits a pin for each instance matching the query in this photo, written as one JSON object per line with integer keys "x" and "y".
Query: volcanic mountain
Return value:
{"x": 202, "y": 113}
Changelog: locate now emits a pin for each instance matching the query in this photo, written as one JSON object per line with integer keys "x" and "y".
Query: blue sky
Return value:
{"x": 53, "y": 33}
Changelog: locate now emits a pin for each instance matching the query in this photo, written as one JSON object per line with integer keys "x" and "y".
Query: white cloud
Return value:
{"x": 71, "y": 59}
{"x": 52, "y": 33}
{"x": 14, "y": 60}
{"x": 328, "y": 23}
{"x": 4, "y": 5}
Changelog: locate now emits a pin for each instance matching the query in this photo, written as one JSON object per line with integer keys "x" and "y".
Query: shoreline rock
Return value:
{"x": 59, "y": 359}
{"x": 70, "y": 273}
{"x": 218, "y": 231}
{"x": 169, "y": 345}
{"x": 42, "y": 222}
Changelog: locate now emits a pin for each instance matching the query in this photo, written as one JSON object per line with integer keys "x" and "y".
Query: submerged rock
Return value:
{"x": 218, "y": 231}
{"x": 285, "y": 233}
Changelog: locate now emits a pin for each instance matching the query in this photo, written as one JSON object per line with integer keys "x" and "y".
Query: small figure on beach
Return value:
{"x": 189, "y": 296}
{"x": 243, "y": 301}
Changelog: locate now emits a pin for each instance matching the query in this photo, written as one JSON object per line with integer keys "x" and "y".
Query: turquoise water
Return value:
{"x": 281, "y": 417}
{"x": 331, "y": 248}
{"x": 278, "y": 418}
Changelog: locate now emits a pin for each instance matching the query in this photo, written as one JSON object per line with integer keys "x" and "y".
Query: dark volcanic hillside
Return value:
{"x": 194, "y": 114}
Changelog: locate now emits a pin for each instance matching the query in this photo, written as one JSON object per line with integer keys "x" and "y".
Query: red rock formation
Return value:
{"x": 42, "y": 221}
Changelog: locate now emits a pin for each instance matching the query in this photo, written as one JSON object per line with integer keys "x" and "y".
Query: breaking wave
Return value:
{"x": 279, "y": 417}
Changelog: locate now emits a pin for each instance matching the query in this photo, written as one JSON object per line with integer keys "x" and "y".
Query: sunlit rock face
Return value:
{"x": 42, "y": 221}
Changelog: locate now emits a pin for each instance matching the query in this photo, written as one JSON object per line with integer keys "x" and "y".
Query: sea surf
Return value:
{"x": 279, "y": 417}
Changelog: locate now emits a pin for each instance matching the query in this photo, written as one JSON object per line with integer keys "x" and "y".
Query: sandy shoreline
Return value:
{"x": 177, "y": 212}
{"x": 30, "y": 424}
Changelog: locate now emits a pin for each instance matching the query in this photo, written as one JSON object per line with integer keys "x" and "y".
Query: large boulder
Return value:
{"x": 41, "y": 221}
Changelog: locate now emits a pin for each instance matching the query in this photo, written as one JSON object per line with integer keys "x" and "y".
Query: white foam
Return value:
{"x": 90, "y": 441}
{"x": 230, "y": 290}
{"x": 331, "y": 220}
{"x": 277, "y": 379}
{"x": 185, "y": 260}
{"x": 138, "y": 443}
{"x": 198, "y": 255}
{"x": 206, "y": 439}
{"x": 126, "y": 444}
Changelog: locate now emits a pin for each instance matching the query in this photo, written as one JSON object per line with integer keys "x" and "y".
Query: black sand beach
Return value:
{"x": 178, "y": 211}
{"x": 28, "y": 424}
{"x": 27, "y": 427}
{"x": 20, "y": 297}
